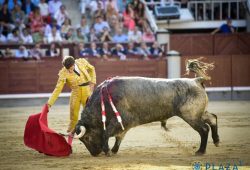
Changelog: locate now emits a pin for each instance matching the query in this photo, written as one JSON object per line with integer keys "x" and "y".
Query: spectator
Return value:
{"x": 36, "y": 52}
{"x": 80, "y": 37}
{"x": 105, "y": 35}
{"x": 156, "y": 51}
{"x": 111, "y": 11}
{"x": 121, "y": 4}
{"x": 82, "y": 51}
{"x": 35, "y": 2}
{"x": 140, "y": 18}
{"x": 3, "y": 39}
{"x": 105, "y": 52}
{"x": 48, "y": 27}
{"x": 128, "y": 18}
{"x": 92, "y": 51}
{"x": 14, "y": 37}
{"x": 84, "y": 26}
{"x": 92, "y": 7}
{"x": 22, "y": 52}
{"x": 143, "y": 50}
{"x": 52, "y": 51}
{"x": 61, "y": 15}
{"x": 69, "y": 37}
{"x": 148, "y": 36}
{"x": 132, "y": 50}
{"x": 119, "y": 51}
{"x": 13, "y": 3}
{"x": 36, "y": 20}
{"x": 65, "y": 27}
{"x": 54, "y": 6}
{"x": 112, "y": 3}
{"x": 225, "y": 28}
{"x": 5, "y": 19}
{"x": 119, "y": 37}
{"x": 54, "y": 36}
{"x": 8, "y": 53}
{"x": 1, "y": 55}
{"x": 83, "y": 4}
{"x": 100, "y": 11}
{"x": 38, "y": 37}
{"x": 99, "y": 25}
{"x": 135, "y": 4}
{"x": 92, "y": 36}
{"x": 114, "y": 24}
{"x": 28, "y": 7}
{"x": 18, "y": 17}
{"x": 135, "y": 35}
{"x": 26, "y": 36}
{"x": 44, "y": 9}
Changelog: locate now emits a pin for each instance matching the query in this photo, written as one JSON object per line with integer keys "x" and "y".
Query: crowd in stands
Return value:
{"x": 106, "y": 21}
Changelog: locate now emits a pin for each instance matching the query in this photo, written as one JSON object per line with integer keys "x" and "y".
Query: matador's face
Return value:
{"x": 71, "y": 69}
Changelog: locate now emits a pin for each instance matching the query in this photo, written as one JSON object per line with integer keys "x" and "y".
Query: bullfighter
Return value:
{"x": 80, "y": 76}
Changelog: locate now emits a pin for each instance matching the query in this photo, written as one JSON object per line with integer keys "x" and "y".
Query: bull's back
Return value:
{"x": 152, "y": 99}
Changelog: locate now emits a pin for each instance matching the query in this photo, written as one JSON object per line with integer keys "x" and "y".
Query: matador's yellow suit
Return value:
{"x": 79, "y": 94}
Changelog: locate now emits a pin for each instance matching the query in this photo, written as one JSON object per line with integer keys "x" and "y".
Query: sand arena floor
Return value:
{"x": 144, "y": 147}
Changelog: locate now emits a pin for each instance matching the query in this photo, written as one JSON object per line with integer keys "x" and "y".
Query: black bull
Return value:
{"x": 143, "y": 100}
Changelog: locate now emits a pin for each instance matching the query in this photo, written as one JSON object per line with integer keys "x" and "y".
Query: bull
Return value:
{"x": 143, "y": 100}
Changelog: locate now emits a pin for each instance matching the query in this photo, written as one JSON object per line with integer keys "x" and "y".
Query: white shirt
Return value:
{"x": 44, "y": 9}
{"x": 60, "y": 17}
{"x": 21, "y": 54}
{"x": 99, "y": 26}
{"x": 56, "y": 38}
{"x": 27, "y": 39}
{"x": 12, "y": 38}
{"x": 54, "y": 6}
{"x": 135, "y": 37}
{"x": 84, "y": 30}
{"x": 3, "y": 39}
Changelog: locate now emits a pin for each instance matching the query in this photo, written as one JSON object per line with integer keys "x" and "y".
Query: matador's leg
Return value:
{"x": 75, "y": 101}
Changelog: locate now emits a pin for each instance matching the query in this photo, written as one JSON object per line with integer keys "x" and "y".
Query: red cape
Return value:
{"x": 38, "y": 136}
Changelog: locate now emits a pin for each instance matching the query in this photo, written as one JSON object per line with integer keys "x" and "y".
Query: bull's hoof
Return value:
{"x": 108, "y": 154}
{"x": 217, "y": 144}
{"x": 199, "y": 153}
{"x": 114, "y": 151}
{"x": 216, "y": 141}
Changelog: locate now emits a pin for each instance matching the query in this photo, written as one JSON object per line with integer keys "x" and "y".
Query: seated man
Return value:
{"x": 22, "y": 52}
{"x": 119, "y": 37}
{"x": 225, "y": 28}
{"x": 93, "y": 51}
{"x": 119, "y": 51}
{"x": 105, "y": 52}
{"x": 52, "y": 51}
{"x": 156, "y": 51}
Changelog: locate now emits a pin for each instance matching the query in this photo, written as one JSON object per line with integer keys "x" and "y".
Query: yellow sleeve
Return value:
{"x": 90, "y": 69}
{"x": 58, "y": 89}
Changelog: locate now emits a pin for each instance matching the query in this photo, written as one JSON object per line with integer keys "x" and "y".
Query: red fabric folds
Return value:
{"x": 39, "y": 136}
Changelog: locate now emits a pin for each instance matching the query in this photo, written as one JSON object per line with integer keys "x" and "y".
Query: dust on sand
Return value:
{"x": 144, "y": 147}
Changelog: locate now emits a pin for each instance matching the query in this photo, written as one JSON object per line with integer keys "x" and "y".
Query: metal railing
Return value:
{"x": 162, "y": 2}
{"x": 150, "y": 18}
{"x": 217, "y": 9}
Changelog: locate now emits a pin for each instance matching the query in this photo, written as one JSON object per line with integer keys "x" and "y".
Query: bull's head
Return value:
{"x": 91, "y": 137}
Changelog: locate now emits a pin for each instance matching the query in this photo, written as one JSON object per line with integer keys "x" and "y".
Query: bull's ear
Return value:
{"x": 80, "y": 131}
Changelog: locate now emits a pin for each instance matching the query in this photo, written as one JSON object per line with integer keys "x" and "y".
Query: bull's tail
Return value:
{"x": 199, "y": 68}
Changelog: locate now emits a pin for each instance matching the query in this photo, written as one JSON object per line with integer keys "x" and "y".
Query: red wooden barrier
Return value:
{"x": 241, "y": 70}
{"x": 221, "y": 75}
{"x": 207, "y": 44}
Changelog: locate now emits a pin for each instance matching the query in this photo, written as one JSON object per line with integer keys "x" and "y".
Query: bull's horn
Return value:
{"x": 83, "y": 130}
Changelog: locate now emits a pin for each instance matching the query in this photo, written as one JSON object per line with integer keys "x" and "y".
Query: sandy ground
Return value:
{"x": 144, "y": 147}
